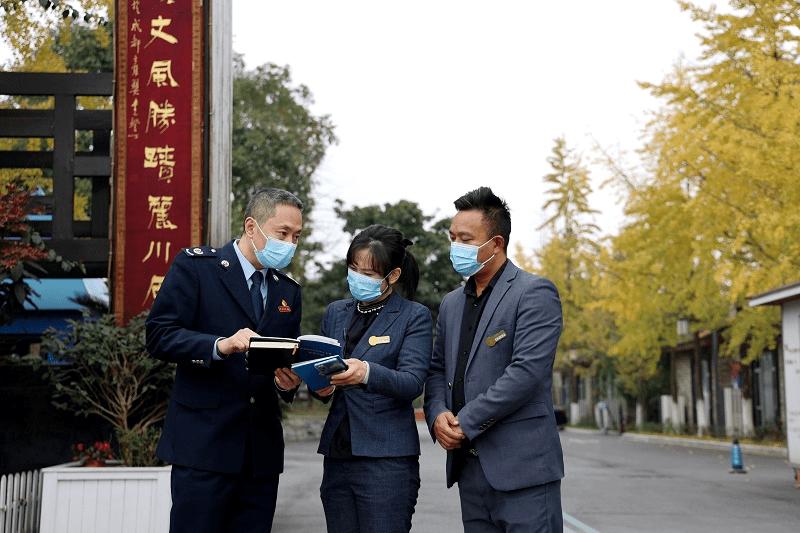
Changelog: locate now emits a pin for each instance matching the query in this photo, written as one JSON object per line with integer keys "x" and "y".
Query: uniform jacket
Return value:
{"x": 382, "y": 422}
{"x": 215, "y": 404}
{"x": 508, "y": 413}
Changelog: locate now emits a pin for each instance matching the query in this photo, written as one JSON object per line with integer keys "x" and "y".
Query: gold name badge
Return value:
{"x": 378, "y": 340}
{"x": 497, "y": 337}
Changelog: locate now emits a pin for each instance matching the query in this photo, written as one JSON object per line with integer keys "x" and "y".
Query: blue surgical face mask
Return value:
{"x": 364, "y": 288}
{"x": 465, "y": 257}
{"x": 276, "y": 253}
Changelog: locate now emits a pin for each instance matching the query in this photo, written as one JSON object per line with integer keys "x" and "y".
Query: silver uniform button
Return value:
{"x": 252, "y": 400}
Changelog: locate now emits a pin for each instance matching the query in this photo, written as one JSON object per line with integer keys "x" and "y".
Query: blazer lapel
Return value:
{"x": 385, "y": 319}
{"x": 233, "y": 279}
{"x": 342, "y": 321}
{"x": 274, "y": 300}
{"x": 500, "y": 289}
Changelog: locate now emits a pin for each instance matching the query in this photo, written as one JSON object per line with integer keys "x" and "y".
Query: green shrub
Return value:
{"x": 586, "y": 422}
{"x": 105, "y": 370}
{"x": 138, "y": 447}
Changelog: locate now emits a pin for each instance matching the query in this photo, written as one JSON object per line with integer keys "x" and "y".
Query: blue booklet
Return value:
{"x": 317, "y": 373}
{"x": 312, "y": 347}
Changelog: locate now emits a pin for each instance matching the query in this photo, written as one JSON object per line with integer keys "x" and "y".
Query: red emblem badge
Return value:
{"x": 284, "y": 307}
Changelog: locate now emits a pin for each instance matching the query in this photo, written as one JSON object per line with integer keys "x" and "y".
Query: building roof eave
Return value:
{"x": 776, "y": 296}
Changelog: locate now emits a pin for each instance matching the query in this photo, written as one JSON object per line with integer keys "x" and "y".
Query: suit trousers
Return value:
{"x": 370, "y": 494}
{"x": 487, "y": 510}
{"x": 210, "y": 502}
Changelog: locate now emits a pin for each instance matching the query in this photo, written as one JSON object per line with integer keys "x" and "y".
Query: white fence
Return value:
{"x": 20, "y": 502}
{"x": 738, "y": 413}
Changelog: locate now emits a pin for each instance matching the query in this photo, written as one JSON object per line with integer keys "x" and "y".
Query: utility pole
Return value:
{"x": 220, "y": 35}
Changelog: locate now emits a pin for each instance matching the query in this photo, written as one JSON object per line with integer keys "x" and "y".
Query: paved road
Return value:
{"x": 611, "y": 485}
{"x": 617, "y": 485}
{"x": 300, "y": 510}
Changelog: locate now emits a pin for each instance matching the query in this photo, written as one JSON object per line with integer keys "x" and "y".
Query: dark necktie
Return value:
{"x": 255, "y": 295}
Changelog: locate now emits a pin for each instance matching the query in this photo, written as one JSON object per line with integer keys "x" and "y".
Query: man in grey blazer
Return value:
{"x": 488, "y": 398}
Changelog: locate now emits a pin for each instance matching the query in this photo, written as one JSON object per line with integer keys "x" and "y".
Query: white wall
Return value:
{"x": 791, "y": 376}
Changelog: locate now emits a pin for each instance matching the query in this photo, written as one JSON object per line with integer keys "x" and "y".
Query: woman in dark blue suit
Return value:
{"x": 370, "y": 439}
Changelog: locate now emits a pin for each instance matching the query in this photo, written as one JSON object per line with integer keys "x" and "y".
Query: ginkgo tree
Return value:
{"x": 712, "y": 219}
{"x": 30, "y": 27}
{"x": 569, "y": 259}
{"x": 656, "y": 271}
{"x": 726, "y": 147}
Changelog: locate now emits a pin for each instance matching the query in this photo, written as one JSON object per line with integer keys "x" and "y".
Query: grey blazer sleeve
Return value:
{"x": 436, "y": 389}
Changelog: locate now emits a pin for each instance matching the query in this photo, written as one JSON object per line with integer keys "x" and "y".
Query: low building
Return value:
{"x": 709, "y": 393}
{"x": 788, "y": 297}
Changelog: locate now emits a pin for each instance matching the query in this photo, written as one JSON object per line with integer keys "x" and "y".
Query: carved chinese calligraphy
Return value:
{"x": 159, "y": 143}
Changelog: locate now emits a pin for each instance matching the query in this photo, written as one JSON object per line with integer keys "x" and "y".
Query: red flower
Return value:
{"x": 94, "y": 455}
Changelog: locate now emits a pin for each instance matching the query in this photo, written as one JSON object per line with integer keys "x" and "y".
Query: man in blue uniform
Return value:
{"x": 223, "y": 432}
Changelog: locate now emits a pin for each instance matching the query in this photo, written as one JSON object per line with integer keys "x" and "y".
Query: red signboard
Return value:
{"x": 159, "y": 144}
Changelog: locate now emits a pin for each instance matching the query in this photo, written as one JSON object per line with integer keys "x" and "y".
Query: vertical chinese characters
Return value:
{"x": 160, "y": 75}
{"x": 159, "y": 158}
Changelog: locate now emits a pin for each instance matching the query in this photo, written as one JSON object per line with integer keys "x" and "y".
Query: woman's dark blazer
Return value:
{"x": 398, "y": 347}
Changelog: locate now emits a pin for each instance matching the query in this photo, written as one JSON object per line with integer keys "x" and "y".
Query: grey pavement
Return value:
{"x": 612, "y": 484}
{"x": 628, "y": 485}
{"x": 299, "y": 508}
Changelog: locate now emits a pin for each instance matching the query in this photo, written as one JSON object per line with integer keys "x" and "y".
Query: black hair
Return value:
{"x": 265, "y": 201}
{"x": 387, "y": 248}
{"x": 496, "y": 215}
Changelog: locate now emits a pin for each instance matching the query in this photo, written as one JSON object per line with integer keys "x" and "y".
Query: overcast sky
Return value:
{"x": 434, "y": 98}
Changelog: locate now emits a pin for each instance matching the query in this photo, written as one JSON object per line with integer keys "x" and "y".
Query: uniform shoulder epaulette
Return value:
{"x": 201, "y": 251}
{"x": 287, "y": 276}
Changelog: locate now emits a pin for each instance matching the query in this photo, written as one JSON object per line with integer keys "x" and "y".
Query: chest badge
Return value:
{"x": 497, "y": 337}
{"x": 374, "y": 341}
{"x": 284, "y": 307}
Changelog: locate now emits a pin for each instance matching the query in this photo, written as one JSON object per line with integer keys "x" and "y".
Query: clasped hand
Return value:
{"x": 448, "y": 431}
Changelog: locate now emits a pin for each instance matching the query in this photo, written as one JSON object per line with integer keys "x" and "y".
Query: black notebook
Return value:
{"x": 266, "y": 354}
